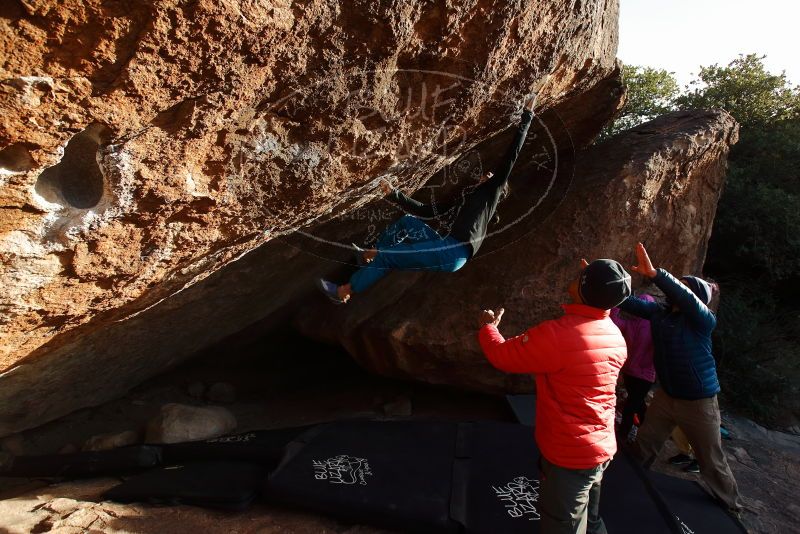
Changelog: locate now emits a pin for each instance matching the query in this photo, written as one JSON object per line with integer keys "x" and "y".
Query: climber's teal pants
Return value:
{"x": 408, "y": 245}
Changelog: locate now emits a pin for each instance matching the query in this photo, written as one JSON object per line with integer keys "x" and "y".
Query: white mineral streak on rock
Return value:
{"x": 119, "y": 173}
{"x": 28, "y": 87}
{"x": 25, "y": 249}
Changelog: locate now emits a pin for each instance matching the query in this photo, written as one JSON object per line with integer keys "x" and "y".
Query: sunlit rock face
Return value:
{"x": 658, "y": 183}
{"x": 146, "y": 146}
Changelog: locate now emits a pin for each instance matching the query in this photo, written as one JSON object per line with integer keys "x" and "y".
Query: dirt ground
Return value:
{"x": 288, "y": 382}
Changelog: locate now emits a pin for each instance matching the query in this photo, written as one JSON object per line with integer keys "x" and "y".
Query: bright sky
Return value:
{"x": 682, "y": 35}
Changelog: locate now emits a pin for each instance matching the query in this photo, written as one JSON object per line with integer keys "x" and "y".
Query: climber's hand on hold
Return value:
{"x": 489, "y": 317}
{"x": 530, "y": 102}
{"x": 386, "y": 186}
{"x": 644, "y": 266}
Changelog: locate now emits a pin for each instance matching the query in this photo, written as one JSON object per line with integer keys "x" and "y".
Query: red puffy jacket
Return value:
{"x": 576, "y": 360}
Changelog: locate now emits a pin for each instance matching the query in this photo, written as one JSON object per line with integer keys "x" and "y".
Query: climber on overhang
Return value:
{"x": 410, "y": 244}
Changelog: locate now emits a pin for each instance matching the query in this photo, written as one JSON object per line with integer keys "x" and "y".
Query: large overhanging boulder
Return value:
{"x": 147, "y": 146}
{"x": 658, "y": 183}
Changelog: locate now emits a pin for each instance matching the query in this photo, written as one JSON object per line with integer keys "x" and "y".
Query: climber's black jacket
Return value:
{"x": 476, "y": 208}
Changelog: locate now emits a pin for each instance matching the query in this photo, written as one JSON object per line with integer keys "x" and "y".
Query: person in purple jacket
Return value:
{"x": 639, "y": 372}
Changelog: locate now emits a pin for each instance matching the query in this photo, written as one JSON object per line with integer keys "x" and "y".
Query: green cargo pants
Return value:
{"x": 569, "y": 499}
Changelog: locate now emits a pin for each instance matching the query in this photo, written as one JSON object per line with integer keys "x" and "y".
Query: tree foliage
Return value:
{"x": 744, "y": 88}
{"x": 651, "y": 92}
{"x": 755, "y": 243}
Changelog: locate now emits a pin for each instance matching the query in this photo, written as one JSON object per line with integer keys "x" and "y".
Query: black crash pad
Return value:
{"x": 695, "y": 509}
{"x": 473, "y": 477}
{"x": 85, "y": 464}
{"x": 523, "y": 407}
{"x": 225, "y": 485}
{"x": 394, "y": 474}
{"x": 264, "y": 447}
{"x": 495, "y": 483}
{"x": 498, "y": 477}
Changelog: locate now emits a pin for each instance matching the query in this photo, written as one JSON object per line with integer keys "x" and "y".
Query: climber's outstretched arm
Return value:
{"x": 409, "y": 205}
{"x": 502, "y": 172}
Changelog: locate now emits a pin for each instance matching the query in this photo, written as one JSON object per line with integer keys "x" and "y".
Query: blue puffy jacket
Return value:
{"x": 681, "y": 339}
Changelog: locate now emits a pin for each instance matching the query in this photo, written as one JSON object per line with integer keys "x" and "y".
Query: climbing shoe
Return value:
{"x": 330, "y": 290}
{"x": 680, "y": 459}
{"x": 359, "y": 255}
{"x": 693, "y": 467}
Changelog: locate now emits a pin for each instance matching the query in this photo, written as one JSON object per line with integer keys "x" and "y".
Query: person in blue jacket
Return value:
{"x": 410, "y": 244}
{"x": 687, "y": 373}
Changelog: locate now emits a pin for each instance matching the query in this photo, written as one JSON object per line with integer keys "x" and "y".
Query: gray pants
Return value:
{"x": 699, "y": 420}
{"x": 569, "y": 499}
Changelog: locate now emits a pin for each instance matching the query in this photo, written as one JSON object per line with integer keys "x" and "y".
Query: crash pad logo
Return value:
{"x": 343, "y": 469}
{"x": 519, "y": 498}
{"x": 684, "y": 527}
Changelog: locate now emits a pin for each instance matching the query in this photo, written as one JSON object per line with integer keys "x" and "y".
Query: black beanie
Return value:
{"x": 604, "y": 284}
{"x": 699, "y": 287}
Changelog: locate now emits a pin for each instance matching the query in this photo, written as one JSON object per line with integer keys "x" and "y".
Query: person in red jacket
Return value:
{"x": 576, "y": 359}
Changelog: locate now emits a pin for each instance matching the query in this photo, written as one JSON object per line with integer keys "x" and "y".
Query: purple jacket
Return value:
{"x": 639, "y": 339}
